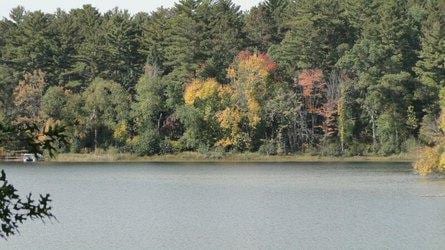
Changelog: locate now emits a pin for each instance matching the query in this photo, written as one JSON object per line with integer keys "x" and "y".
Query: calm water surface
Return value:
{"x": 233, "y": 206}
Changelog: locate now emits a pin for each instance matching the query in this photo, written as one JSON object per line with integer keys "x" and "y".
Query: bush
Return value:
{"x": 331, "y": 149}
{"x": 441, "y": 167}
{"x": 112, "y": 151}
{"x": 211, "y": 153}
{"x": 429, "y": 131}
{"x": 178, "y": 145}
{"x": 166, "y": 147}
{"x": 203, "y": 149}
{"x": 428, "y": 161}
{"x": 391, "y": 132}
{"x": 216, "y": 153}
{"x": 75, "y": 145}
{"x": 146, "y": 143}
{"x": 268, "y": 148}
{"x": 356, "y": 148}
{"x": 410, "y": 145}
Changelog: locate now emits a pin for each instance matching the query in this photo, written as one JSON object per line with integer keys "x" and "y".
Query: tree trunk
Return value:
{"x": 374, "y": 136}
{"x": 95, "y": 139}
{"x": 159, "y": 123}
{"x": 342, "y": 143}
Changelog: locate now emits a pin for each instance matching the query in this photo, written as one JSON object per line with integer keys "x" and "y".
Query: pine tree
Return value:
{"x": 430, "y": 68}
{"x": 66, "y": 38}
{"x": 381, "y": 61}
{"x": 226, "y": 38}
{"x": 317, "y": 33}
{"x": 265, "y": 24}
{"x": 123, "y": 61}
{"x": 30, "y": 44}
{"x": 154, "y": 39}
{"x": 259, "y": 29}
{"x": 89, "y": 58}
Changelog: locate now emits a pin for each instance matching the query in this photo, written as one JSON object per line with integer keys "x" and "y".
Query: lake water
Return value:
{"x": 233, "y": 206}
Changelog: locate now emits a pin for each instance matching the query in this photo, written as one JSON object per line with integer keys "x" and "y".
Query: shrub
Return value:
{"x": 429, "y": 130}
{"x": 146, "y": 143}
{"x": 441, "y": 167}
{"x": 356, "y": 148}
{"x": 216, "y": 153}
{"x": 112, "y": 151}
{"x": 268, "y": 147}
{"x": 166, "y": 147}
{"x": 330, "y": 149}
{"x": 178, "y": 145}
{"x": 428, "y": 161}
{"x": 410, "y": 145}
{"x": 391, "y": 132}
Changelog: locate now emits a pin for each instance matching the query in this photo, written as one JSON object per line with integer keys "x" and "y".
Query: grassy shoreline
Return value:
{"x": 229, "y": 158}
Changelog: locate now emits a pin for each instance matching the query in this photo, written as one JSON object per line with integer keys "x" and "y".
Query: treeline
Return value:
{"x": 332, "y": 77}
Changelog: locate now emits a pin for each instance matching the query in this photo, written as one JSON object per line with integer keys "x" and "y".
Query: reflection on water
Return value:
{"x": 233, "y": 206}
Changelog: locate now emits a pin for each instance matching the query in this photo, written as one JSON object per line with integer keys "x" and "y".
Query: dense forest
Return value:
{"x": 328, "y": 77}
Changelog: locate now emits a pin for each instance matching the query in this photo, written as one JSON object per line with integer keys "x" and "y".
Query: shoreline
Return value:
{"x": 193, "y": 157}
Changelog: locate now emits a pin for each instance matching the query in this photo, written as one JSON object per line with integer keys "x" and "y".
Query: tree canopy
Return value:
{"x": 341, "y": 77}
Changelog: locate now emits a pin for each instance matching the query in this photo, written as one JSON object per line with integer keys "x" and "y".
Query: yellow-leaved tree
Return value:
{"x": 432, "y": 159}
{"x": 232, "y": 112}
{"x": 203, "y": 100}
{"x": 250, "y": 78}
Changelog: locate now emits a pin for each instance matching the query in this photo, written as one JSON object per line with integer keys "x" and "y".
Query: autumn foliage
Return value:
{"x": 432, "y": 159}
{"x": 28, "y": 97}
{"x": 310, "y": 80}
{"x": 428, "y": 161}
{"x": 321, "y": 95}
{"x": 259, "y": 63}
{"x": 200, "y": 90}
{"x": 240, "y": 102}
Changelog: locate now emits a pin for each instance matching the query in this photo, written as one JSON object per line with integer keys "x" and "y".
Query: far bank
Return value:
{"x": 236, "y": 157}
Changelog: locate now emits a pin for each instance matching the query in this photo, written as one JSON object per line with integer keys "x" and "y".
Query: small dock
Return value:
{"x": 12, "y": 156}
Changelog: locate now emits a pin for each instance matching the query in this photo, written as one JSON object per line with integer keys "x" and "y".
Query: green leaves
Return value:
{"x": 123, "y": 61}
{"x": 14, "y": 210}
{"x": 389, "y": 52}
{"x": 106, "y": 105}
{"x": 317, "y": 28}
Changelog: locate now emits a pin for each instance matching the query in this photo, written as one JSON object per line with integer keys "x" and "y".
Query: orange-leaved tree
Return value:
{"x": 28, "y": 98}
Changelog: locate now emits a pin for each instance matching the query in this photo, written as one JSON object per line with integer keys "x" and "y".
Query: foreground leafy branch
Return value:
{"x": 15, "y": 210}
{"x": 46, "y": 139}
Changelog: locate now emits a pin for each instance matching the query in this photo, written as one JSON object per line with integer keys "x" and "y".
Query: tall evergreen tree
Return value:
{"x": 154, "y": 39}
{"x": 66, "y": 38}
{"x": 31, "y": 44}
{"x": 430, "y": 68}
{"x": 187, "y": 46}
{"x": 318, "y": 35}
{"x": 265, "y": 24}
{"x": 123, "y": 61}
{"x": 226, "y": 38}
{"x": 381, "y": 60}
{"x": 89, "y": 59}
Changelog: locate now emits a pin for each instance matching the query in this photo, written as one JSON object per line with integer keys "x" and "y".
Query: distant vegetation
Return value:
{"x": 432, "y": 157}
{"x": 332, "y": 78}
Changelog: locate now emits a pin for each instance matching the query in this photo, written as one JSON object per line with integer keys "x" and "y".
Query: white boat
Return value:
{"x": 30, "y": 158}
